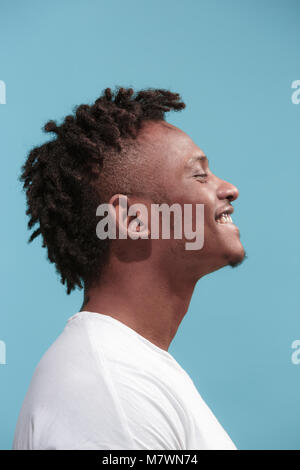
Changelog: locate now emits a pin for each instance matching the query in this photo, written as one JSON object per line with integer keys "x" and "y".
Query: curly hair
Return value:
{"x": 66, "y": 178}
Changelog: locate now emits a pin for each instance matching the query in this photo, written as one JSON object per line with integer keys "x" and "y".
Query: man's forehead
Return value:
{"x": 170, "y": 140}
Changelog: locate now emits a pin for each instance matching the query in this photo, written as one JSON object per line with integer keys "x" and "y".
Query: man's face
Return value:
{"x": 182, "y": 173}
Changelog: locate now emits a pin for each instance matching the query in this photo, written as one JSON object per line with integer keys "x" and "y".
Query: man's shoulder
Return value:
{"x": 68, "y": 362}
{"x": 69, "y": 398}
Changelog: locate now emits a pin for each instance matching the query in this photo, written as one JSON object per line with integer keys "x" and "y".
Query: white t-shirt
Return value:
{"x": 101, "y": 385}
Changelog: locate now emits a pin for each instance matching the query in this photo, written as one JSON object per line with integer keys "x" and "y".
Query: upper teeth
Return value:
{"x": 224, "y": 219}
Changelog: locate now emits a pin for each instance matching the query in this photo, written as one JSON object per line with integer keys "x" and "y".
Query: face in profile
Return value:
{"x": 182, "y": 175}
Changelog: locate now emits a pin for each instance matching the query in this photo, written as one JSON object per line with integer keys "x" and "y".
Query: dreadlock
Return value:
{"x": 61, "y": 177}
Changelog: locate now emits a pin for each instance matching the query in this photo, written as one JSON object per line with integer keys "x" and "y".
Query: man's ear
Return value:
{"x": 138, "y": 225}
{"x": 131, "y": 220}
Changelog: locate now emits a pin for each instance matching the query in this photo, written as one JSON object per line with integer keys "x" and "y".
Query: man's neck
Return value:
{"x": 145, "y": 300}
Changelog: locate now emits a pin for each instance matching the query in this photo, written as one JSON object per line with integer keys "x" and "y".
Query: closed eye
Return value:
{"x": 201, "y": 175}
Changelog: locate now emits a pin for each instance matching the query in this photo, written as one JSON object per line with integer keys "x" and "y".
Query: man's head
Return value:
{"x": 122, "y": 145}
{"x": 175, "y": 171}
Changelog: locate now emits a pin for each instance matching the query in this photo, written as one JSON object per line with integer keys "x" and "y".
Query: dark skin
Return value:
{"x": 148, "y": 284}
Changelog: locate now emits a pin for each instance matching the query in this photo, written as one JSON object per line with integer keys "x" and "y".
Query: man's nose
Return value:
{"x": 227, "y": 191}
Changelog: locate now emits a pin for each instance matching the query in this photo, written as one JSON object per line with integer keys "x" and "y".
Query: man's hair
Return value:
{"x": 65, "y": 179}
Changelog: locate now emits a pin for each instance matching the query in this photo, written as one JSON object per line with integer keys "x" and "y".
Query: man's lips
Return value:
{"x": 223, "y": 215}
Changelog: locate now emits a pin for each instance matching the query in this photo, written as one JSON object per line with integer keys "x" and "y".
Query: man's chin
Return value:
{"x": 237, "y": 258}
{"x": 237, "y": 262}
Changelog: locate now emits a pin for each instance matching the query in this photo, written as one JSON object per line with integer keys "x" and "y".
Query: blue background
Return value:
{"x": 233, "y": 62}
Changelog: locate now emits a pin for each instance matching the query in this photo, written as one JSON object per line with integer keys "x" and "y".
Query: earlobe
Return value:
{"x": 137, "y": 229}
{"x": 130, "y": 220}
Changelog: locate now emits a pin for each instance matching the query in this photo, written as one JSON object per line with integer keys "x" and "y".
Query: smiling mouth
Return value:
{"x": 224, "y": 218}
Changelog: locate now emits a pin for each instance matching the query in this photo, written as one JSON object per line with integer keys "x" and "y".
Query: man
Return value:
{"x": 108, "y": 381}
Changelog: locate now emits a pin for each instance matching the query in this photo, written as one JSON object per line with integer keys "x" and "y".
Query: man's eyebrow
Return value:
{"x": 195, "y": 159}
